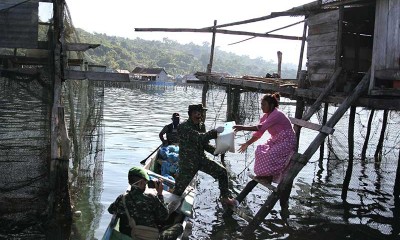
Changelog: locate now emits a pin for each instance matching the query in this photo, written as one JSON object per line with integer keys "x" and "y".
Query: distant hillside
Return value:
{"x": 175, "y": 58}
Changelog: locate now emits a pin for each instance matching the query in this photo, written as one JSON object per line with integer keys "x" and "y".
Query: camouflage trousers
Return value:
{"x": 171, "y": 232}
{"x": 188, "y": 169}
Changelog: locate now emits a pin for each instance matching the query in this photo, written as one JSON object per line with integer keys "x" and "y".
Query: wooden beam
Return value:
{"x": 81, "y": 46}
{"x": 96, "y": 76}
{"x": 222, "y": 31}
{"x": 312, "y": 126}
{"x": 388, "y": 74}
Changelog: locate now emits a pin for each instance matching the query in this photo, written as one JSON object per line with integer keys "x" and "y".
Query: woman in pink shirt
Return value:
{"x": 272, "y": 157}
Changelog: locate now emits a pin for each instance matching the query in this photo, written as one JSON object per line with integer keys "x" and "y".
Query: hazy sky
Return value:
{"x": 120, "y": 17}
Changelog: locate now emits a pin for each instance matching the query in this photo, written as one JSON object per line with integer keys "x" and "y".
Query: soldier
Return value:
{"x": 171, "y": 130}
{"x": 146, "y": 209}
{"x": 193, "y": 140}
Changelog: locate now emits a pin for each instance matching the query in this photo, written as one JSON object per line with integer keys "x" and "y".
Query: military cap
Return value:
{"x": 139, "y": 172}
{"x": 197, "y": 107}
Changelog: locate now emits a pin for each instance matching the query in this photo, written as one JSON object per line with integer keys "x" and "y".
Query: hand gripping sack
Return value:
{"x": 140, "y": 232}
{"x": 225, "y": 140}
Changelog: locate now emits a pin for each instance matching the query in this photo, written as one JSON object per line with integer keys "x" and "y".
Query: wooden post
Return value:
{"x": 209, "y": 68}
{"x": 279, "y": 53}
{"x": 229, "y": 112}
{"x": 365, "y": 146}
{"x": 378, "y": 152}
{"x": 298, "y": 161}
{"x": 299, "y": 106}
{"x": 322, "y": 148}
{"x": 349, "y": 170}
{"x": 235, "y": 106}
{"x": 303, "y": 42}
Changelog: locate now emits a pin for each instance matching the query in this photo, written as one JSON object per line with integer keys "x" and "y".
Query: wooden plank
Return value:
{"x": 386, "y": 92}
{"x": 388, "y": 74}
{"x": 321, "y": 64}
{"x": 312, "y": 126}
{"x": 323, "y": 28}
{"x": 318, "y": 77}
{"x": 222, "y": 31}
{"x": 321, "y": 53}
{"x": 393, "y": 39}
{"x": 320, "y": 40}
{"x": 96, "y": 76}
{"x": 325, "y": 17}
{"x": 80, "y": 46}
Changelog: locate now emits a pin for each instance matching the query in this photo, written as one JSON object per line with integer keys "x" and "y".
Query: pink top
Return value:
{"x": 274, "y": 123}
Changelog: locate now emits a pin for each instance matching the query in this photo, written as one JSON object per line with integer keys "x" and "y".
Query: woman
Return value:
{"x": 272, "y": 157}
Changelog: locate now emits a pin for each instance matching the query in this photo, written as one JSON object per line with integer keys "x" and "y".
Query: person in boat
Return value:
{"x": 272, "y": 157}
{"x": 193, "y": 141}
{"x": 145, "y": 208}
{"x": 171, "y": 131}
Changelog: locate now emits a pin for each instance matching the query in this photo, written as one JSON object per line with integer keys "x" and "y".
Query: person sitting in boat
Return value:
{"x": 272, "y": 157}
{"x": 146, "y": 209}
{"x": 193, "y": 141}
{"x": 171, "y": 131}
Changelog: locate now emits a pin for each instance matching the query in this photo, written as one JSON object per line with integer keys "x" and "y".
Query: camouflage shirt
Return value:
{"x": 146, "y": 209}
{"x": 193, "y": 140}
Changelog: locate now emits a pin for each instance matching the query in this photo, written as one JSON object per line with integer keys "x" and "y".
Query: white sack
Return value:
{"x": 226, "y": 140}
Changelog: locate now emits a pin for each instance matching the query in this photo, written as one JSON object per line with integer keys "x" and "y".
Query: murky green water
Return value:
{"x": 132, "y": 121}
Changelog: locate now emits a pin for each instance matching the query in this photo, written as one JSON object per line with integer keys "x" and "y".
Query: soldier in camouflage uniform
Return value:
{"x": 146, "y": 209}
{"x": 193, "y": 140}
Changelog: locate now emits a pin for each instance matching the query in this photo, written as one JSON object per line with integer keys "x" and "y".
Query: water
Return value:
{"x": 133, "y": 119}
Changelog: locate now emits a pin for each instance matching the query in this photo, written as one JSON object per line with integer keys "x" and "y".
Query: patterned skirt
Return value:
{"x": 272, "y": 157}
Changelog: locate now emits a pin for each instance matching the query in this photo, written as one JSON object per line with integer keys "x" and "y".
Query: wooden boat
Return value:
{"x": 183, "y": 212}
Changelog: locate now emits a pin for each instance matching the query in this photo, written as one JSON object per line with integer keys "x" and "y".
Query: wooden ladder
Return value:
{"x": 298, "y": 161}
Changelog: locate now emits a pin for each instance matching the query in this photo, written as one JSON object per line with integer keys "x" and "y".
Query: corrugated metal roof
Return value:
{"x": 139, "y": 70}
{"x": 18, "y": 24}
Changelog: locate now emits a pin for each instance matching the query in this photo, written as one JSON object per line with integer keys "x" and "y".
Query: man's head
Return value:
{"x": 137, "y": 174}
{"x": 196, "y": 112}
{"x": 175, "y": 118}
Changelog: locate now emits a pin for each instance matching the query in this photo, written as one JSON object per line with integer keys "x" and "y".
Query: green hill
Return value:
{"x": 175, "y": 58}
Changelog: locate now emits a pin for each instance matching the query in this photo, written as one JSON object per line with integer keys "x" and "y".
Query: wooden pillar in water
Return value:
{"x": 322, "y": 148}
{"x": 365, "y": 146}
{"x": 209, "y": 68}
{"x": 299, "y": 106}
{"x": 378, "y": 152}
{"x": 349, "y": 170}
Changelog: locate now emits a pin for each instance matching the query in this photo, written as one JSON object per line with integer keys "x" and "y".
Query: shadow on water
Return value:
{"x": 133, "y": 117}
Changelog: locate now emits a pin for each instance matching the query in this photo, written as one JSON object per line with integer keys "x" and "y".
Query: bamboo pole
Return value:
{"x": 298, "y": 161}
{"x": 299, "y": 107}
{"x": 349, "y": 170}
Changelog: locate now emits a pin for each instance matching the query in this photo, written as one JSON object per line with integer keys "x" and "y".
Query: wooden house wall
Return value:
{"x": 162, "y": 77}
{"x": 386, "y": 47}
{"x": 322, "y": 44}
{"x": 18, "y": 24}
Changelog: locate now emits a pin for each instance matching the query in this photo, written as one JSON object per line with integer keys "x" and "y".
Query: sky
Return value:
{"x": 121, "y": 17}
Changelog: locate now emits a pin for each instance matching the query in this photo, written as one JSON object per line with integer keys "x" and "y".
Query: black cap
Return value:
{"x": 197, "y": 107}
{"x": 175, "y": 115}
